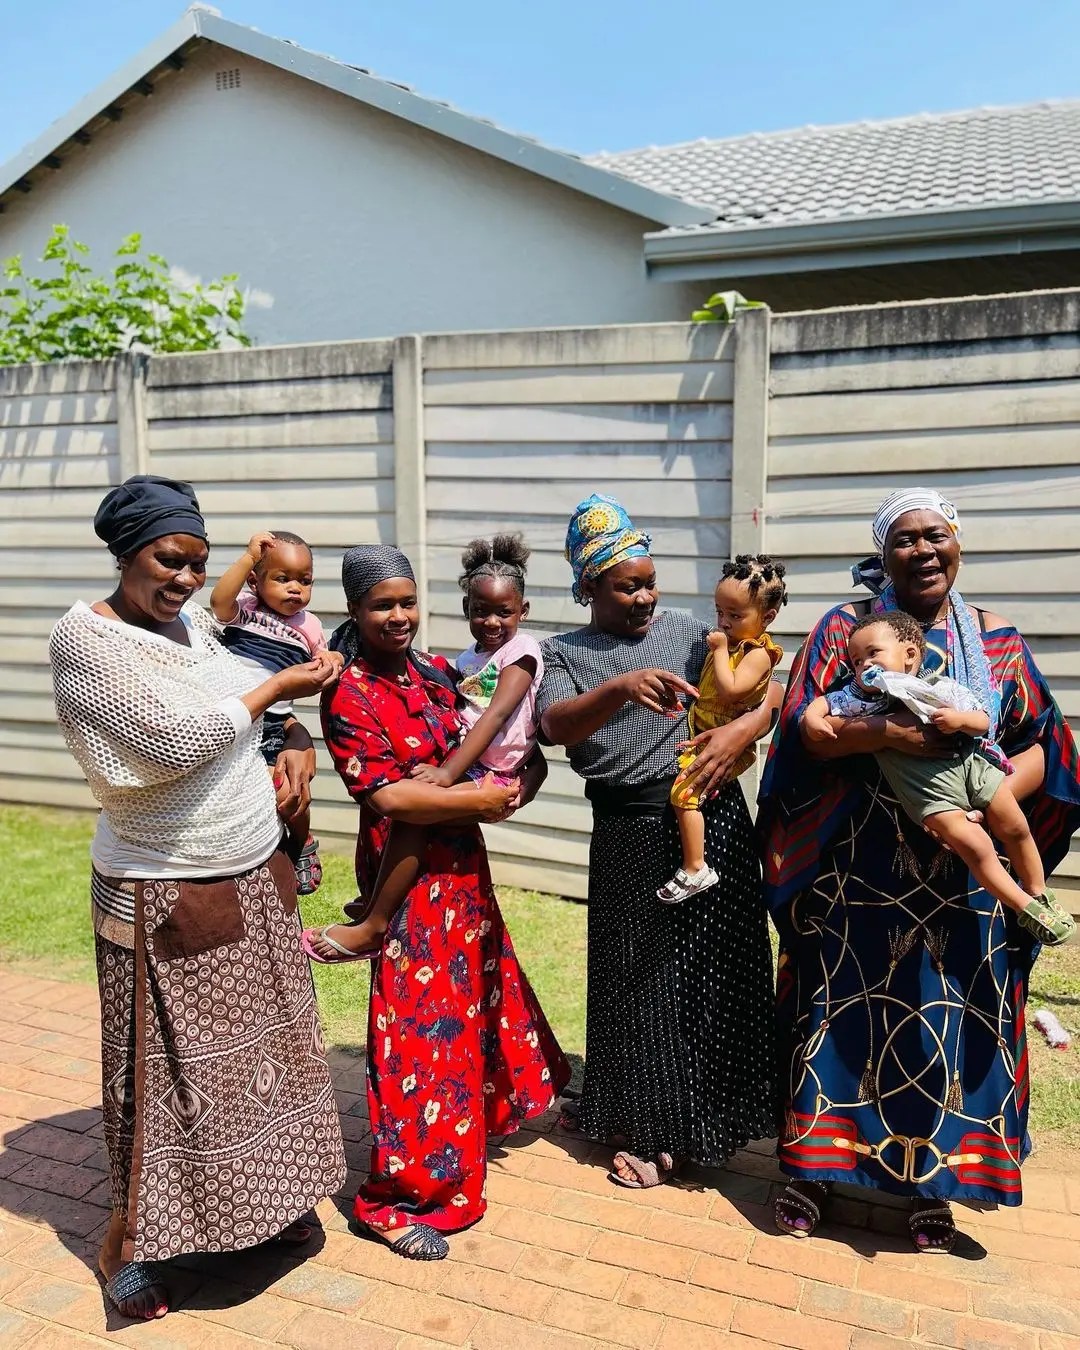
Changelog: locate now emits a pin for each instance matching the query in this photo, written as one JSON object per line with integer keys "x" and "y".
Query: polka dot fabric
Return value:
{"x": 679, "y": 1034}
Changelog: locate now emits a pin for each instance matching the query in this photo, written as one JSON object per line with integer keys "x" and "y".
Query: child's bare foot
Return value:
{"x": 345, "y": 941}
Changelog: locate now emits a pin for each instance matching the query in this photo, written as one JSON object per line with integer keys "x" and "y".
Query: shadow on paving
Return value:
{"x": 200, "y": 1281}
{"x": 868, "y": 1222}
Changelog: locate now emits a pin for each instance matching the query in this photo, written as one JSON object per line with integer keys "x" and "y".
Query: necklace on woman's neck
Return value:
{"x": 935, "y": 620}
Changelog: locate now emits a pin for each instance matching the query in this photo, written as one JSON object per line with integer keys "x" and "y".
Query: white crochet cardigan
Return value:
{"x": 168, "y": 749}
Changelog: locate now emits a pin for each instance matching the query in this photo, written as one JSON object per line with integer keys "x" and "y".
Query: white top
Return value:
{"x": 923, "y": 697}
{"x": 168, "y": 749}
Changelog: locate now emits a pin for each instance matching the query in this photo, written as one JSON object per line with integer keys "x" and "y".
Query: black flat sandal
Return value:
{"x": 810, "y": 1208}
{"x": 134, "y": 1278}
{"x": 937, "y": 1225}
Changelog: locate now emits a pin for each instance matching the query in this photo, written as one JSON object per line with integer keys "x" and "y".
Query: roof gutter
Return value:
{"x": 921, "y": 236}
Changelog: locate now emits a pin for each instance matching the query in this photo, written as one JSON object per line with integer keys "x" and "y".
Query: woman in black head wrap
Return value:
{"x": 458, "y": 1048}
{"x": 213, "y": 1073}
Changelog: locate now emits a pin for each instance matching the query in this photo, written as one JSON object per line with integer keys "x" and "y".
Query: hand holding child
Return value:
{"x": 818, "y": 728}
{"x": 495, "y": 801}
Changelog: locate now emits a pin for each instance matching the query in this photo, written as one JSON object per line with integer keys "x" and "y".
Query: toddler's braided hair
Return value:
{"x": 764, "y": 577}
{"x": 506, "y": 556}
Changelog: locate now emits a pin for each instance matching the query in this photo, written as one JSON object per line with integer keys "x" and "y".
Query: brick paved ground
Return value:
{"x": 563, "y": 1259}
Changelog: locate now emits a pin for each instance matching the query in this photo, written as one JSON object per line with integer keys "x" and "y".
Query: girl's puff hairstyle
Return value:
{"x": 764, "y": 578}
{"x": 505, "y": 557}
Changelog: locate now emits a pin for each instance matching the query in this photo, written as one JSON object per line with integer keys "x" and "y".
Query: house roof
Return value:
{"x": 914, "y": 188}
{"x": 121, "y": 94}
{"x": 932, "y": 162}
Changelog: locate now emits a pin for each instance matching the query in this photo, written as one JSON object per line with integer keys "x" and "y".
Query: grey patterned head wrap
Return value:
{"x": 368, "y": 564}
{"x": 361, "y": 568}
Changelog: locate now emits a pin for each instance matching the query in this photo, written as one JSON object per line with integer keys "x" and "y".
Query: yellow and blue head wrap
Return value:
{"x": 601, "y": 535}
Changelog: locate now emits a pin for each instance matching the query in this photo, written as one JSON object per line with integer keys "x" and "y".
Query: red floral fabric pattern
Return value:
{"x": 458, "y": 1047}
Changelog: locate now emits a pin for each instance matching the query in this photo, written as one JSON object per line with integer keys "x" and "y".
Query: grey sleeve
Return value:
{"x": 558, "y": 684}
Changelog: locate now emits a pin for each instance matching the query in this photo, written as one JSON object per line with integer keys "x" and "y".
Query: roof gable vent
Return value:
{"x": 227, "y": 79}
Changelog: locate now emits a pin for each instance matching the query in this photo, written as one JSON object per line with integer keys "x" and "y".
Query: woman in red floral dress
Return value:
{"x": 458, "y": 1047}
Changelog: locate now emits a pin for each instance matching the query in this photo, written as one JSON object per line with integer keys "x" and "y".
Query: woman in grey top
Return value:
{"x": 679, "y": 1024}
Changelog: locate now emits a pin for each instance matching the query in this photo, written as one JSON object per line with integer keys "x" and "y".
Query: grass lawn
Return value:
{"x": 45, "y": 922}
{"x": 44, "y": 926}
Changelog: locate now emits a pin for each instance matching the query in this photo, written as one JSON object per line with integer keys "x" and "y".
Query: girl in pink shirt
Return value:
{"x": 501, "y": 673}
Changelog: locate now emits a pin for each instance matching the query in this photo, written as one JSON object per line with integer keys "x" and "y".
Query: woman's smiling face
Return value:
{"x": 159, "y": 580}
{"x": 922, "y": 558}
{"x": 624, "y": 598}
{"x": 387, "y": 617}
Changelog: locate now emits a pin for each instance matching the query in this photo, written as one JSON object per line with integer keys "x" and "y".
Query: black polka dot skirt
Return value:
{"x": 679, "y": 1053}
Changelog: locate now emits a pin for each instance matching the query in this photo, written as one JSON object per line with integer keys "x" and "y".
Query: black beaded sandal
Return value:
{"x": 134, "y": 1278}
{"x": 308, "y": 868}
{"x": 937, "y": 1226}
{"x": 808, "y": 1207}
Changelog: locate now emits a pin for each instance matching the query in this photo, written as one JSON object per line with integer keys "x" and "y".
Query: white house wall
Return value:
{"x": 342, "y": 221}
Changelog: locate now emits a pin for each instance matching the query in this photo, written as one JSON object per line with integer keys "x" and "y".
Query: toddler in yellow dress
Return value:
{"x": 734, "y": 679}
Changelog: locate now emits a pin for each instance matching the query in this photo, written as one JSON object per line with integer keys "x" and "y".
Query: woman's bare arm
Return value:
{"x": 867, "y": 735}
{"x": 575, "y": 719}
{"x": 419, "y": 803}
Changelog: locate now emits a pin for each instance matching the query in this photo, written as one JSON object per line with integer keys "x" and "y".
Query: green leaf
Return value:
{"x": 74, "y": 312}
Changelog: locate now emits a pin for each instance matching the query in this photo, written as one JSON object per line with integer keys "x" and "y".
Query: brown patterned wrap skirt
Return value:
{"x": 219, "y": 1112}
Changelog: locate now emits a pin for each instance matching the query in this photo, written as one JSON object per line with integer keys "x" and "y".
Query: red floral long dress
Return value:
{"x": 458, "y": 1047}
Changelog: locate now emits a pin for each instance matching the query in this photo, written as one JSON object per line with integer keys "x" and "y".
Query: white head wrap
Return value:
{"x": 898, "y": 504}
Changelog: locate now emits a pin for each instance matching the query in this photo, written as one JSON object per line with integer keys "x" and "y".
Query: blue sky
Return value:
{"x": 599, "y": 74}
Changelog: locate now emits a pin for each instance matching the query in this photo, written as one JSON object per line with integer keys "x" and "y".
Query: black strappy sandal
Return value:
{"x": 808, "y": 1207}
{"x": 134, "y": 1278}
{"x": 418, "y": 1243}
{"x": 569, "y": 1117}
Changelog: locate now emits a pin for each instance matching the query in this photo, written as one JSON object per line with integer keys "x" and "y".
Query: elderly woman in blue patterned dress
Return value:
{"x": 679, "y": 1055}
{"x": 901, "y": 982}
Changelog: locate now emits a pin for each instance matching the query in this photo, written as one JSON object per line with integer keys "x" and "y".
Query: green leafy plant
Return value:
{"x": 723, "y": 306}
{"x": 73, "y": 313}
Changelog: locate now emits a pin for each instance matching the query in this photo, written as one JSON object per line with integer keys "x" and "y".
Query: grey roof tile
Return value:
{"x": 983, "y": 157}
